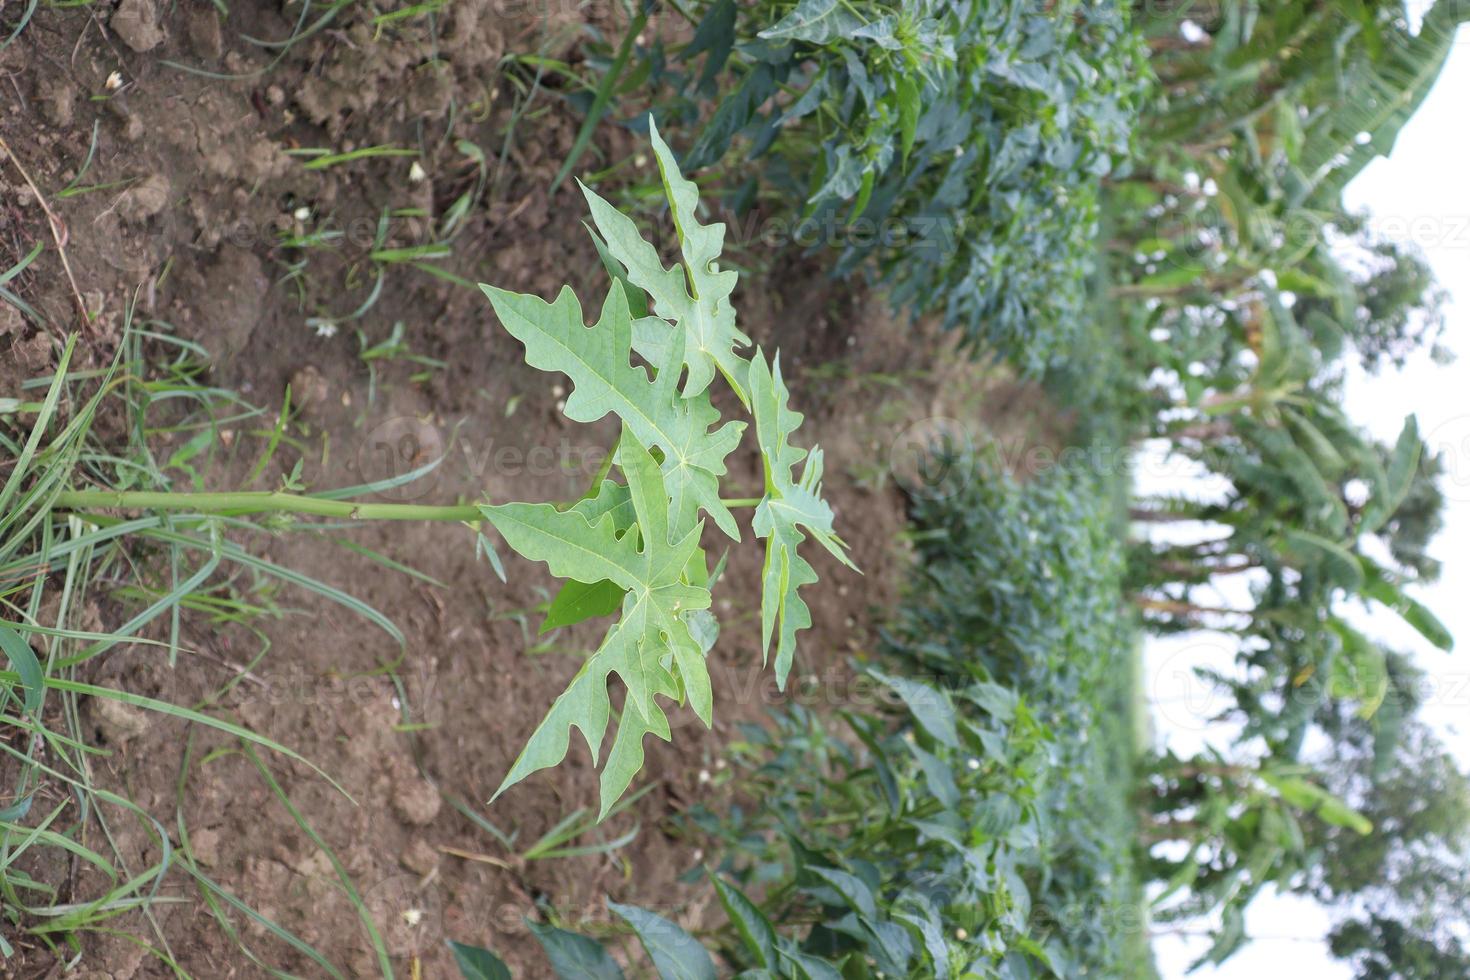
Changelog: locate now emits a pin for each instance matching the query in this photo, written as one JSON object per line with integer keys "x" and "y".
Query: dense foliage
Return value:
{"x": 959, "y": 815}
{"x": 1233, "y": 288}
{"x": 1018, "y": 584}
{"x": 954, "y": 149}
{"x": 1142, "y": 203}
{"x": 1244, "y": 289}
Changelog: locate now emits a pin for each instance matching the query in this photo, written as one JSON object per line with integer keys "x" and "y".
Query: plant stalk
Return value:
{"x": 270, "y": 501}
{"x": 261, "y": 502}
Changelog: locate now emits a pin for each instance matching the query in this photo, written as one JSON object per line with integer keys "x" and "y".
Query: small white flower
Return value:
{"x": 413, "y": 916}
{"x": 302, "y": 213}
{"x": 326, "y": 328}
{"x": 416, "y": 173}
{"x": 1192, "y": 32}
{"x": 704, "y": 776}
{"x": 961, "y": 934}
{"x": 972, "y": 763}
{"x": 114, "y": 81}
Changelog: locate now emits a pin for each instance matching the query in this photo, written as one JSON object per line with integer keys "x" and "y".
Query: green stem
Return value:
{"x": 604, "y": 469}
{"x": 260, "y": 502}
{"x": 264, "y": 501}
{"x": 741, "y": 501}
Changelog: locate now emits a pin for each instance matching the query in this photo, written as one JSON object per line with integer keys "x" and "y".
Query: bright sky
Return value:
{"x": 1421, "y": 192}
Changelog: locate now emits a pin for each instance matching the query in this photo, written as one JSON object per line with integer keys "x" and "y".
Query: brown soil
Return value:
{"x": 195, "y": 192}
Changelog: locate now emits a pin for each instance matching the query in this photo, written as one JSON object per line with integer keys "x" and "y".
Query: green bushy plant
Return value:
{"x": 901, "y": 859}
{"x": 1020, "y": 584}
{"x": 955, "y": 147}
{"x": 963, "y": 813}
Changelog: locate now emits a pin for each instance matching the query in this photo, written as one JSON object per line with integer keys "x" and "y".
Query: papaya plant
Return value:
{"x": 658, "y": 577}
{"x": 630, "y": 547}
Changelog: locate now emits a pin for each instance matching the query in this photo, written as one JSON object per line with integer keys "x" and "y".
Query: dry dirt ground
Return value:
{"x": 191, "y": 194}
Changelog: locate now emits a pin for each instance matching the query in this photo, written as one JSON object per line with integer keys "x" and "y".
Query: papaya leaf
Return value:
{"x": 634, "y": 549}
{"x": 787, "y": 507}
{"x": 695, "y": 297}
{"x": 650, "y": 648}
{"x": 604, "y": 379}
{"x": 580, "y": 601}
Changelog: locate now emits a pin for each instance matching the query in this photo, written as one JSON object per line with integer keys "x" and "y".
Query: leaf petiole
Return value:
{"x": 260, "y": 502}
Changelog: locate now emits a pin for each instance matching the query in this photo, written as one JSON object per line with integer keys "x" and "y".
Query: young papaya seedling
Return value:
{"x": 635, "y": 546}
{"x": 631, "y": 547}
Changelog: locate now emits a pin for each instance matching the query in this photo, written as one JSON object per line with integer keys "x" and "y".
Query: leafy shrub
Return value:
{"x": 903, "y": 858}
{"x": 957, "y": 146}
{"x": 960, "y": 820}
{"x": 1020, "y": 584}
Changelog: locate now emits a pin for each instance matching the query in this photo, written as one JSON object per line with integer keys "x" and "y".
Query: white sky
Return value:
{"x": 1421, "y": 191}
